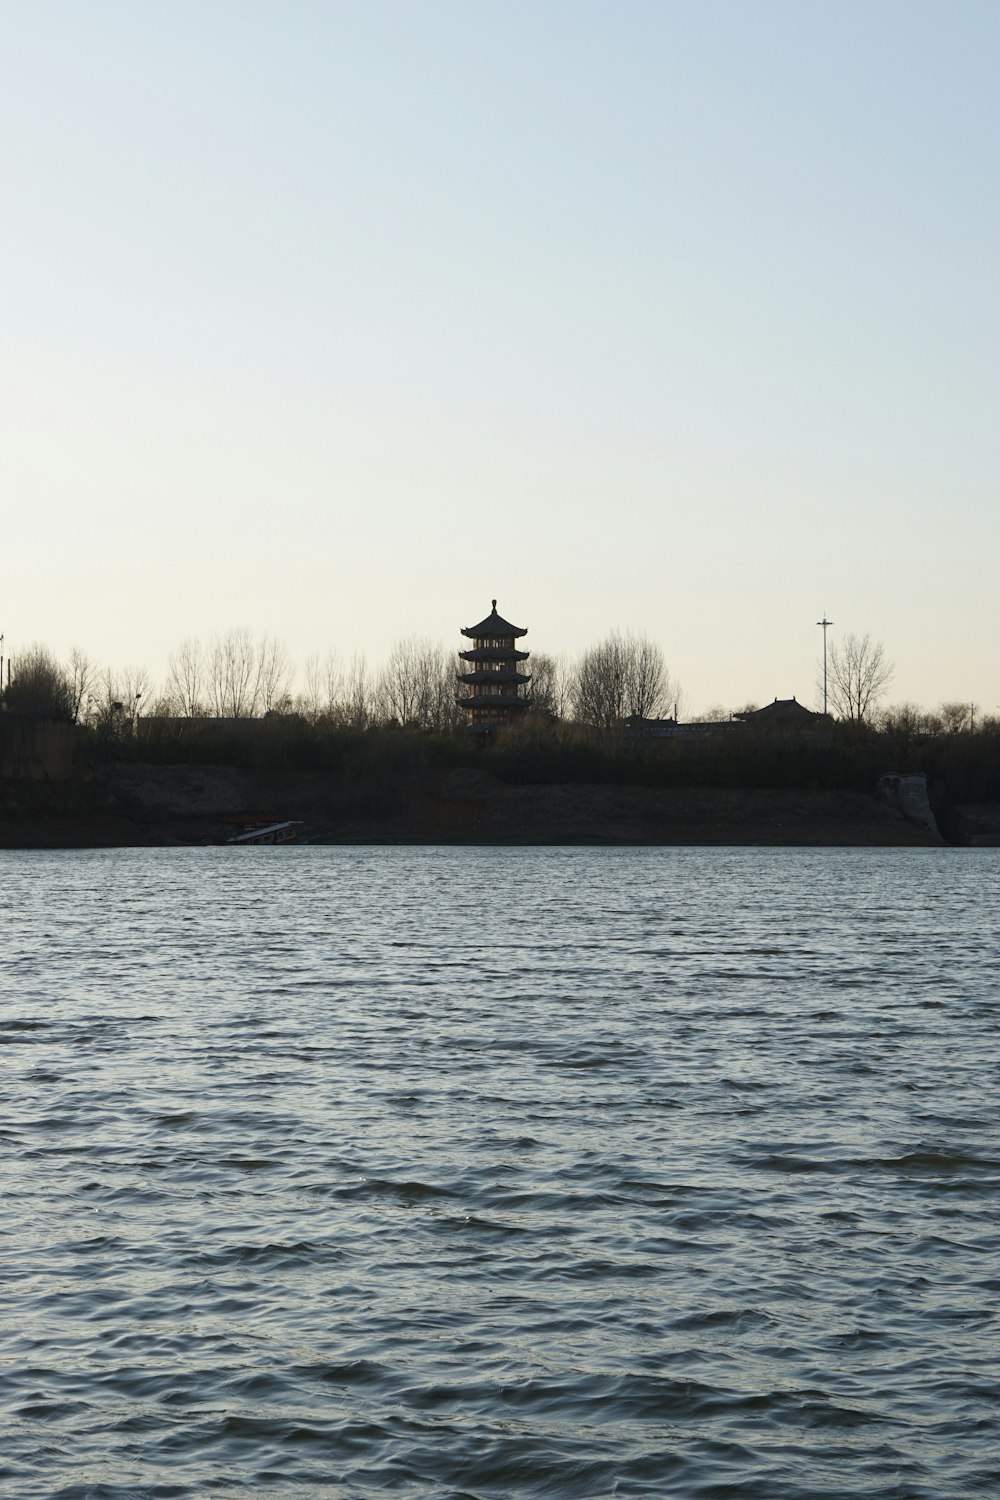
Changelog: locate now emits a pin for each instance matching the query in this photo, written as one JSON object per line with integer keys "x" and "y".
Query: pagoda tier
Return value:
{"x": 482, "y": 700}
{"x": 489, "y": 676}
{"x": 493, "y": 653}
{"x": 495, "y": 697}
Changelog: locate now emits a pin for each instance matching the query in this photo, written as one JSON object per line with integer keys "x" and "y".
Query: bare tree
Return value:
{"x": 418, "y": 684}
{"x": 162, "y": 706}
{"x": 906, "y": 725}
{"x": 187, "y": 678}
{"x": 82, "y": 672}
{"x": 324, "y": 687}
{"x": 274, "y": 675}
{"x": 599, "y": 684}
{"x": 233, "y": 674}
{"x": 310, "y": 702}
{"x": 648, "y": 679}
{"x": 118, "y": 699}
{"x": 401, "y": 681}
{"x": 624, "y": 675}
{"x": 955, "y": 717}
{"x": 360, "y": 694}
{"x": 445, "y": 712}
{"x": 906, "y": 719}
{"x": 550, "y": 687}
{"x": 859, "y": 674}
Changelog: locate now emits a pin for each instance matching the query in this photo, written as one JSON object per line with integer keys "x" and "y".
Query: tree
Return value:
{"x": 118, "y": 699}
{"x": 186, "y": 678}
{"x": 648, "y": 681}
{"x": 859, "y": 674}
{"x": 39, "y": 686}
{"x": 623, "y": 676}
{"x": 82, "y": 674}
{"x": 404, "y": 680}
{"x": 550, "y": 687}
{"x": 955, "y": 717}
{"x": 417, "y": 685}
{"x": 232, "y": 674}
{"x": 324, "y": 690}
{"x": 274, "y": 675}
{"x": 905, "y": 726}
{"x": 360, "y": 694}
{"x": 245, "y": 677}
{"x": 446, "y": 713}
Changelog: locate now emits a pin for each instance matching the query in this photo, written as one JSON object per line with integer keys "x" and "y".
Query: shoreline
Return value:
{"x": 137, "y": 806}
{"x": 58, "y": 837}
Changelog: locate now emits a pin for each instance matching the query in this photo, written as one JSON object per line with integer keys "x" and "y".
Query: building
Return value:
{"x": 785, "y": 719}
{"x": 788, "y": 722}
{"x": 497, "y": 687}
{"x": 783, "y": 714}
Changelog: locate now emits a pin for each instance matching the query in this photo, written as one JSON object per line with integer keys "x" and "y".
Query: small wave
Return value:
{"x": 405, "y": 1191}
{"x": 776, "y": 1161}
{"x": 932, "y": 1161}
{"x": 729, "y": 1319}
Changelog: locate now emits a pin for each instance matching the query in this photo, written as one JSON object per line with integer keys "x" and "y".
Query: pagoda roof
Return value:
{"x": 495, "y": 677}
{"x": 494, "y": 653}
{"x": 483, "y": 700}
{"x": 495, "y": 625}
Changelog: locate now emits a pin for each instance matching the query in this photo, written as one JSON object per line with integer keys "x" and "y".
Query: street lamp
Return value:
{"x": 826, "y": 625}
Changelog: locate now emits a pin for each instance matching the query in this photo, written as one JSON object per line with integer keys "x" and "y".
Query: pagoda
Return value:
{"x": 496, "y": 685}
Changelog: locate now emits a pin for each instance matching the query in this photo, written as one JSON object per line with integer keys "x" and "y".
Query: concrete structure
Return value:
{"x": 908, "y": 793}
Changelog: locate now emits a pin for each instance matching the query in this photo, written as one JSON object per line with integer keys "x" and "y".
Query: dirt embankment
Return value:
{"x": 164, "y": 805}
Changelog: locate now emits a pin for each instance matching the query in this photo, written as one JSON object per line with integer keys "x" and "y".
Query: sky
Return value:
{"x": 338, "y": 320}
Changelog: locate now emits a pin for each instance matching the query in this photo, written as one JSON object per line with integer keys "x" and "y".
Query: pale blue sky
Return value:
{"x": 337, "y": 320}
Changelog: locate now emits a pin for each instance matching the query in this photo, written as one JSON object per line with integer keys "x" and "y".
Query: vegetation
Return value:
{"x": 41, "y": 686}
{"x": 231, "y": 701}
{"x": 624, "y": 676}
{"x": 859, "y": 675}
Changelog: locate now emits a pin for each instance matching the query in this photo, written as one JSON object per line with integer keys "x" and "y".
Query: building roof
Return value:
{"x": 483, "y": 700}
{"x": 494, "y": 677}
{"x": 494, "y": 653}
{"x": 493, "y": 625}
{"x": 785, "y": 709}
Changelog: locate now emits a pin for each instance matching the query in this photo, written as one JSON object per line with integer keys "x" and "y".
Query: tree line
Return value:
{"x": 237, "y": 675}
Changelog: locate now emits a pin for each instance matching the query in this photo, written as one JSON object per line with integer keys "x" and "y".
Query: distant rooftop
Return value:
{"x": 786, "y": 709}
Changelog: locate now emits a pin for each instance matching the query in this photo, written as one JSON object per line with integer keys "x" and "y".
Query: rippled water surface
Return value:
{"x": 478, "y": 1172}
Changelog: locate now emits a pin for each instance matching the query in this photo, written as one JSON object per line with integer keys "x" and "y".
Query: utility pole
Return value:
{"x": 826, "y": 625}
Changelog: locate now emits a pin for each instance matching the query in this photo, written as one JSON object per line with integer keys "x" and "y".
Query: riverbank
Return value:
{"x": 132, "y": 805}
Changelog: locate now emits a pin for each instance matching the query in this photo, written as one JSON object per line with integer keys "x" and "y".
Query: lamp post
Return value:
{"x": 826, "y": 625}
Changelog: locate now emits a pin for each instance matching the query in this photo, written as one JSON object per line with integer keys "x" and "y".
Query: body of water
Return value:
{"x": 474, "y": 1173}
